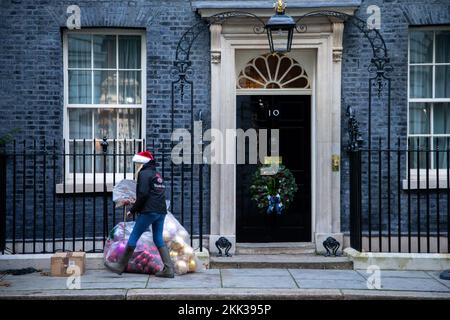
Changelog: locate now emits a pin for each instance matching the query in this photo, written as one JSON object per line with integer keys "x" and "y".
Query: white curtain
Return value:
{"x": 129, "y": 80}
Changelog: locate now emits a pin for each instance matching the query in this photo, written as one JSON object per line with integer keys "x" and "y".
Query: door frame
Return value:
{"x": 326, "y": 41}
{"x": 295, "y": 92}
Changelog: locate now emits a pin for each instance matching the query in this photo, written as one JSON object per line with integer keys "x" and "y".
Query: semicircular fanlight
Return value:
{"x": 273, "y": 71}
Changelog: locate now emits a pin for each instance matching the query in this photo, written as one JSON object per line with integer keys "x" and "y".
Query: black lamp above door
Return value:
{"x": 280, "y": 29}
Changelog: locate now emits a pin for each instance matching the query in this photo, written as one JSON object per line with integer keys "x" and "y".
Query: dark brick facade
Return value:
{"x": 31, "y": 79}
{"x": 397, "y": 16}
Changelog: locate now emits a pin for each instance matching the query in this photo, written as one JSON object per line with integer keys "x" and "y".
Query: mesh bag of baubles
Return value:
{"x": 145, "y": 259}
{"x": 177, "y": 240}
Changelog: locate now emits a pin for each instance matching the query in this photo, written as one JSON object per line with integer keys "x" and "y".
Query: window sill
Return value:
{"x": 432, "y": 184}
{"x": 79, "y": 188}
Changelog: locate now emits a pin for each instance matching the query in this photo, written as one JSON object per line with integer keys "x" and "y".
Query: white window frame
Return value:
{"x": 89, "y": 177}
{"x": 432, "y": 172}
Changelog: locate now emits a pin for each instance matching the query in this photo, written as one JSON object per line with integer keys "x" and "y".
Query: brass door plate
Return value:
{"x": 335, "y": 162}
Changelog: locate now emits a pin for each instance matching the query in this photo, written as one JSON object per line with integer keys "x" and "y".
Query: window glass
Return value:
{"x": 419, "y": 118}
{"x": 105, "y": 85}
{"x": 129, "y": 87}
{"x": 129, "y": 123}
{"x": 80, "y": 89}
{"x": 79, "y": 48}
{"x": 103, "y": 70}
{"x": 441, "y": 118}
{"x": 421, "y": 47}
{"x": 104, "y": 47}
{"x": 80, "y": 123}
{"x": 443, "y": 81}
{"x": 129, "y": 52}
{"x": 443, "y": 47}
{"x": 421, "y": 81}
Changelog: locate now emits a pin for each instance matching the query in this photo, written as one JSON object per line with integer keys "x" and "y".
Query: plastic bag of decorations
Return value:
{"x": 146, "y": 257}
{"x": 124, "y": 193}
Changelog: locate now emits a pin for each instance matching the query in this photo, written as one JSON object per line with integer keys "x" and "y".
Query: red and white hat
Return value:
{"x": 143, "y": 157}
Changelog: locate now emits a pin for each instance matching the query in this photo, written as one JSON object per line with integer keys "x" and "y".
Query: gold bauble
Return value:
{"x": 178, "y": 243}
{"x": 192, "y": 265}
{"x": 173, "y": 254}
{"x": 188, "y": 251}
{"x": 181, "y": 267}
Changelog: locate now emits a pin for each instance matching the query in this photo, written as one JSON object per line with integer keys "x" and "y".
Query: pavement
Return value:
{"x": 230, "y": 284}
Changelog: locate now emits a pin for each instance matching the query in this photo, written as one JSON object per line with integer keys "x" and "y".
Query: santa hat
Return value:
{"x": 143, "y": 157}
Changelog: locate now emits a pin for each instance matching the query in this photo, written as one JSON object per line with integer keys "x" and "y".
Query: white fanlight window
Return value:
{"x": 104, "y": 96}
{"x": 273, "y": 71}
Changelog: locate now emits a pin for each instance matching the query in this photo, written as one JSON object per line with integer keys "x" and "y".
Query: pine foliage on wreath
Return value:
{"x": 282, "y": 184}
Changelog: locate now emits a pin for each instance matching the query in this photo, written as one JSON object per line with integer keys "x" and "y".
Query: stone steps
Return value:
{"x": 293, "y": 248}
{"x": 301, "y": 261}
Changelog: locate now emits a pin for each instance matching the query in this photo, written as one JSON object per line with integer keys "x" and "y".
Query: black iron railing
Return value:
{"x": 58, "y": 196}
{"x": 400, "y": 197}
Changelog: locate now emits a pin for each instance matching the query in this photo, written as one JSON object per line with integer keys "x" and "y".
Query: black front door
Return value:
{"x": 292, "y": 116}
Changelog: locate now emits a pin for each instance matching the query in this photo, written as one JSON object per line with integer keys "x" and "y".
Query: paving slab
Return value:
{"x": 89, "y": 280}
{"x": 107, "y": 276}
{"x": 254, "y": 272}
{"x": 88, "y": 276}
{"x": 397, "y": 274}
{"x": 306, "y": 274}
{"x": 205, "y": 279}
{"x": 332, "y": 284}
{"x": 276, "y": 282}
{"x": 413, "y": 284}
{"x": 435, "y": 275}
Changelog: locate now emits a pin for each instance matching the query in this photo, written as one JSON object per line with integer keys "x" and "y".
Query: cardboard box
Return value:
{"x": 61, "y": 261}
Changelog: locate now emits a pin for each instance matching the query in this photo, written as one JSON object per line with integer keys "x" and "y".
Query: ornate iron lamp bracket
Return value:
{"x": 380, "y": 65}
{"x": 182, "y": 65}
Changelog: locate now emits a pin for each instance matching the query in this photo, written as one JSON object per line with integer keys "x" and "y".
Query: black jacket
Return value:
{"x": 150, "y": 191}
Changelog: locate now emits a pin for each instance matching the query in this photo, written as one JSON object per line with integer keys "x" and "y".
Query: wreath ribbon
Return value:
{"x": 275, "y": 205}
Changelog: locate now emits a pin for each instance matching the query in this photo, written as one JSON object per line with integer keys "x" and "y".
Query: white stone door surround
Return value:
{"x": 324, "y": 38}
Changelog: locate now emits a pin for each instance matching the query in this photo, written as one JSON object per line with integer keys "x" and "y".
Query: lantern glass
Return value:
{"x": 280, "y": 30}
{"x": 280, "y": 40}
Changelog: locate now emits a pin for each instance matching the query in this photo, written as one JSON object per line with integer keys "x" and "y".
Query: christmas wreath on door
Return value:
{"x": 273, "y": 192}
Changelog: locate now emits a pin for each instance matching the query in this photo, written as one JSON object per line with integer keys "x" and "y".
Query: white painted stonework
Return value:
{"x": 319, "y": 51}
{"x": 398, "y": 261}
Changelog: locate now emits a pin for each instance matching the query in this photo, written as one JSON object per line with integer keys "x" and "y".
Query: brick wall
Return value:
{"x": 396, "y": 18}
{"x": 31, "y": 79}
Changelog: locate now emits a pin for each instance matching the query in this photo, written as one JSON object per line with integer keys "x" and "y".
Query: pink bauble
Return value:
{"x": 157, "y": 267}
{"x": 120, "y": 248}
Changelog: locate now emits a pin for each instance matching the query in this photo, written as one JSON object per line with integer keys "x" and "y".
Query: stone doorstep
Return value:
{"x": 275, "y": 248}
{"x": 303, "y": 261}
{"x": 399, "y": 261}
{"x": 94, "y": 261}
